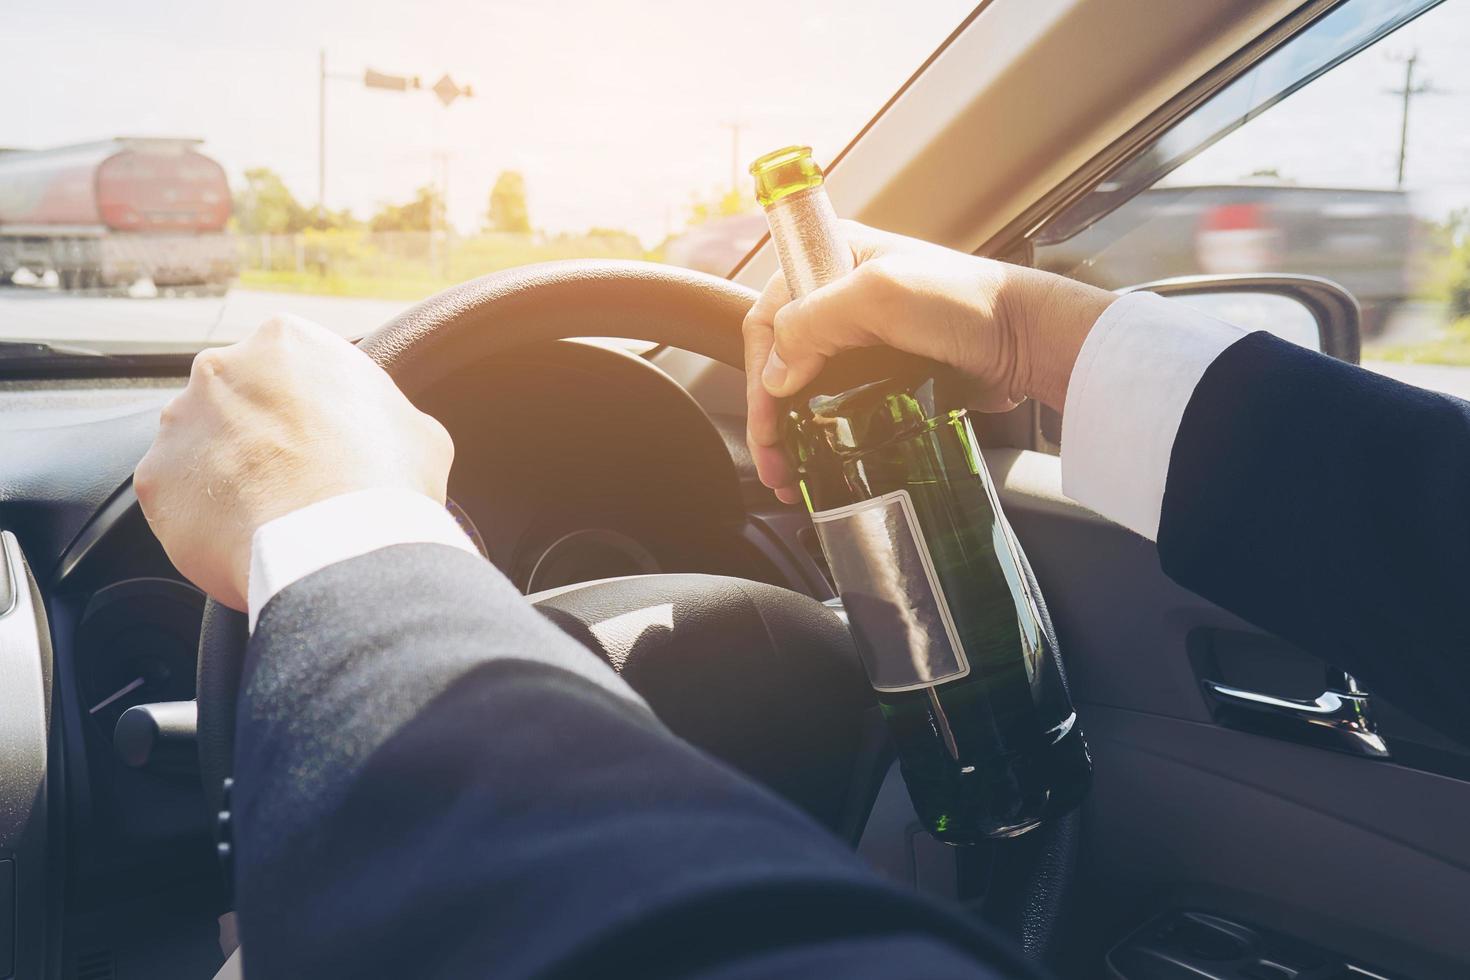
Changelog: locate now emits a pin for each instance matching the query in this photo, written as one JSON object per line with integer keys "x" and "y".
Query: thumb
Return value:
{"x": 812, "y": 329}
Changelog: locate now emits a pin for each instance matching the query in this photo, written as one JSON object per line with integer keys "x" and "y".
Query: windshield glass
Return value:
{"x": 181, "y": 172}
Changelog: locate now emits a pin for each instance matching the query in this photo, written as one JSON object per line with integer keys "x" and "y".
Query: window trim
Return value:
{"x": 1095, "y": 171}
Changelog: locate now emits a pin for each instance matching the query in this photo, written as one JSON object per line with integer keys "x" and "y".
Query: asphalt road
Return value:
{"x": 189, "y": 321}
{"x": 183, "y": 320}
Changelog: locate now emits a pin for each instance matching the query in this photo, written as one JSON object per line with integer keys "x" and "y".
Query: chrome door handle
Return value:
{"x": 1336, "y": 719}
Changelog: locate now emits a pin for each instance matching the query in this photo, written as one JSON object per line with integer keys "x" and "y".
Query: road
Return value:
{"x": 1414, "y": 323}
{"x": 184, "y": 321}
{"x": 187, "y": 322}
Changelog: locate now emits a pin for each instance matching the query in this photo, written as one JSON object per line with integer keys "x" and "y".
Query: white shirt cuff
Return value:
{"x": 1130, "y": 386}
{"x": 290, "y": 548}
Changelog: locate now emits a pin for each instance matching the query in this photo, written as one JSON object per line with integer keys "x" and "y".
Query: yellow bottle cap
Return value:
{"x": 784, "y": 172}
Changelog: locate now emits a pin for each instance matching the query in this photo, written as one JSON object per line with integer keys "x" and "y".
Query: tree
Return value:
{"x": 508, "y": 210}
{"x": 266, "y": 206}
{"x": 321, "y": 219}
{"x": 424, "y": 213}
{"x": 731, "y": 202}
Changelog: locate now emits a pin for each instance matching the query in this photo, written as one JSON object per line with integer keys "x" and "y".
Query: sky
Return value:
{"x": 618, "y": 113}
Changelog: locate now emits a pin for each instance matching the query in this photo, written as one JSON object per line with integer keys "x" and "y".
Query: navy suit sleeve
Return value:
{"x": 1331, "y": 506}
{"x": 414, "y": 797}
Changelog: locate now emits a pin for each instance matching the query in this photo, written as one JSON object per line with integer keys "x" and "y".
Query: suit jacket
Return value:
{"x": 413, "y": 798}
{"x": 1331, "y": 506}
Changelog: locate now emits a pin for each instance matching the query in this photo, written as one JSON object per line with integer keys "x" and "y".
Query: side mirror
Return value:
{"x": 1306, "y": 310}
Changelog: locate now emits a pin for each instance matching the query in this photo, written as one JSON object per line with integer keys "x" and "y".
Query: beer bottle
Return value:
{"x": 928, "y": 570}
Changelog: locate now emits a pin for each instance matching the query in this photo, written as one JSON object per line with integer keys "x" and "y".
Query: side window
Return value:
{"x": 1356, "y": 172}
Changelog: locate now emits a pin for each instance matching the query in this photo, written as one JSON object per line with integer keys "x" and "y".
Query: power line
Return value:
{"x": 1406, "y": 93}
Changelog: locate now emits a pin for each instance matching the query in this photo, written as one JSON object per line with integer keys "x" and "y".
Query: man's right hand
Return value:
{"x": 1015, "y": 331}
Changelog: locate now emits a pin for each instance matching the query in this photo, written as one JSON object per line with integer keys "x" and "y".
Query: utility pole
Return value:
{"x": 322, "y": 75}
{"x": 1407, "y": 93}
{"x": 446, "y": 90}
{"x": 734, "y": 128}
{"x": 321, "y": 133}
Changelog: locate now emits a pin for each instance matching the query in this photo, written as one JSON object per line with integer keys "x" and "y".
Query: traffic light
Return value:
{"x": 393, "y": 83}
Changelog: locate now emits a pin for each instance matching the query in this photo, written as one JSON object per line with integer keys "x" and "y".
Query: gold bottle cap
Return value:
{"x": 784, "y": 172}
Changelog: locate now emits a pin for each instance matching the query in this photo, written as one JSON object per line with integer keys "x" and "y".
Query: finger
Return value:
{"x": 763, "y": 414}
{"x": 864, "y": 241}
{"x": 759, "y": 334}
{"x": 773, "y": 296}
{"x": 774, "y": 468}
{"x": 809, "y": 331}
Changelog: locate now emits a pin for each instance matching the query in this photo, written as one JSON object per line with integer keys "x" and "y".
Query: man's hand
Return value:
{"x": 1016, "y": 331}
{"x": 291, "y": 415}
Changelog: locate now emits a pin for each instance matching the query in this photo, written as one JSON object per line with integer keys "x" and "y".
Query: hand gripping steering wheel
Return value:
{"x": 733, "y": 643}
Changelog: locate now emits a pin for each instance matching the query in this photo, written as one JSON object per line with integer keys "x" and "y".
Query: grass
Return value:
{"x": 333, "y": 284}
{"x": 405, "y": 265}
{"x": 1451, "y": 347}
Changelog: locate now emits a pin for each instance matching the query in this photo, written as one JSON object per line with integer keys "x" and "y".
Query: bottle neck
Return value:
{"x": 808, "y": 240}
{"x": 869, "y": 416}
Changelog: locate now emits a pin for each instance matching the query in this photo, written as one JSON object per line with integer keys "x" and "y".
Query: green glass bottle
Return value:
{"x": 929, "y": 571}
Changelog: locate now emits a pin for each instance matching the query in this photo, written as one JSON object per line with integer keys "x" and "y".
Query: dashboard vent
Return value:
{"x": 95, "y": 965}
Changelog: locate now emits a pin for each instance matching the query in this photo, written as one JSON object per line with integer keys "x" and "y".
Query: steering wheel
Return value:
{"x": 725, "y": 644}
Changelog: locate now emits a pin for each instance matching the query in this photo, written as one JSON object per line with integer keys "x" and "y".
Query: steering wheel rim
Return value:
{"x": 557, "y": 300}
{"x": 553, "y": 301}
{"x": 462, "y": 325}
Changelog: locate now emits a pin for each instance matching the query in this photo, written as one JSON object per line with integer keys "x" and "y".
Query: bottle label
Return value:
{"x": 883, "y": 570}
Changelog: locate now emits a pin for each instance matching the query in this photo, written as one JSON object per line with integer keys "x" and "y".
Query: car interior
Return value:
{"x": 1253, "y": 813}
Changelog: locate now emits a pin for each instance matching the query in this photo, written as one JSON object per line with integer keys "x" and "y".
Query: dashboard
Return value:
{"x": 574, "y": 462}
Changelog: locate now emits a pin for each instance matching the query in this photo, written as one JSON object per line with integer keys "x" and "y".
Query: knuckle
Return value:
{"x": 795, "y": 339}
{"x": 208, "y": 363}
{"x": 145, "y": 480}
{"x": 436, "y": 434}
{"x": 753, "y": 326}
{"x": 875, "y": 276}
{"x": 282, "y": 326}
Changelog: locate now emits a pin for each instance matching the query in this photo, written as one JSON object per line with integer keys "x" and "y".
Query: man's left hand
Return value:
{"x": 291, "y": 415}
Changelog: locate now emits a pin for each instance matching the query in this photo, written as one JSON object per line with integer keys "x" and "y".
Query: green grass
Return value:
{"x": 371, "y": 287}
{"x": 405, "y": 266}
{"x": 1451, "y": 347}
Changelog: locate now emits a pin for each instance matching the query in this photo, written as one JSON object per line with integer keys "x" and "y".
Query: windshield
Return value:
{"x": 183, "y": 171}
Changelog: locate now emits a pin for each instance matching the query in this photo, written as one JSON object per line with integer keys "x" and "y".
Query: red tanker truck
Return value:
{"x": 117, "y": 211}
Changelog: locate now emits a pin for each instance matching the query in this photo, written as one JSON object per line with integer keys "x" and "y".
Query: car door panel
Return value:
{"x": 1364, "y": 856}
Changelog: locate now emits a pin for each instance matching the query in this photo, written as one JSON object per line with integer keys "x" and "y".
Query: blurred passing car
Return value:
{"x": 1360, "y": 239}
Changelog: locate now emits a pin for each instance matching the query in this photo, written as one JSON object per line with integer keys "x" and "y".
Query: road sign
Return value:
{"x": 448, "y": 91}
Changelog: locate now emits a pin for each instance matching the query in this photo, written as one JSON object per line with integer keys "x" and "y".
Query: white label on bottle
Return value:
{"x": 883, "y": 570}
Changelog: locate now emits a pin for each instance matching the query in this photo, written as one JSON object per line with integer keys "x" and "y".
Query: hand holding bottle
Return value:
{"x": 1015, "y": 331}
